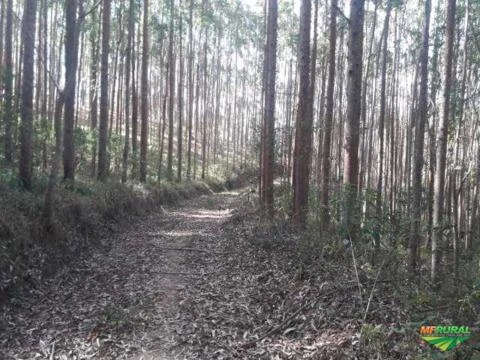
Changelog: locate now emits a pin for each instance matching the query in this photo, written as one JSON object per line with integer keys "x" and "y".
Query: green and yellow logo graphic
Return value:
{"x": 445, "y": 337}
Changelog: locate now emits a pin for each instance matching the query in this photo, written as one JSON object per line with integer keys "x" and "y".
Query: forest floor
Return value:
{"x": 206, "y": 279}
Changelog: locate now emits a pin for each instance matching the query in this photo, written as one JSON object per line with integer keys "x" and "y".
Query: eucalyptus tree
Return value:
{"x": 8, "y": 85}
{"x": 304, "y": 122}
{"x": 381, "y": 120}
{"x": 419, "y": 140}
{"x": 71, "y": 61}
{"x": 269, "y": 107}
{"x": 171, "y": 102}
{"x": 327, "y": 137}
{"x": 442, "y": 139}
{"x": 26, "y": 111}
{"x": 180, "y": 100}
{"x": 145, "y": 99}
{"x": 354, "y": 89}
{"x": 128, "y": 92}
{"x": 103, "y": 161}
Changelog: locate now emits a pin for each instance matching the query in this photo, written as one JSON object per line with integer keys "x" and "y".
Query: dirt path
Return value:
{"x": 122, "y": 304}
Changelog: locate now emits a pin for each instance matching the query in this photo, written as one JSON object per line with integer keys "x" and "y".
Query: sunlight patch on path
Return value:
{"x": 204, "y": 214}
{"x": 180, "y": 233}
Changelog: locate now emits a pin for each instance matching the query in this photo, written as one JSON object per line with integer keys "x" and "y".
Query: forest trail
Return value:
{"x": 121, "y": 304}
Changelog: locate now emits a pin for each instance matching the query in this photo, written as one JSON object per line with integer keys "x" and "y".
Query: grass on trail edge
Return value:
{"x": 83, "y": 215}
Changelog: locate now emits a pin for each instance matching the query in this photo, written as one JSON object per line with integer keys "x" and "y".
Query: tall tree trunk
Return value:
{"x": 419, "y": 139}
{"x": 442, "y": 139}
{"x": 2, "y": 38}
{"x": 128, "y": 63}
{"x": 26, "y": 111}
{"x": 44, "y": 85}
{"x": 190, "y": 88}
{"x": 352, "y": 135}
{"x": 327, "y": 136}
{"x": 93, "y": 91}
{"x": 303, "y": 133}
{"x": 103, "y": 161}
{"x": 205, "y": 109}
{"x": 381, "y": 122}
{"x": 71, "y": 59}
{"x": 171, "y": 103}
{"x": 269, "y": 114}
{"x": 180, "y": 103}
{"x": 144, "y": 126}
{"x": 8, "y": 86}
{"x": 134, "y": 79}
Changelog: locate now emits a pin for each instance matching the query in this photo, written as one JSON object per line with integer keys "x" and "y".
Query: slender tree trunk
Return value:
{"x": 71, "y": 60}
{"x": 145, "y": 100}
{"x": 352, "y": 135}
{"x": 93, "y": 91}
{"x": 205, "y": 97}
{"x": 134, "y": 79}
{"x": 269, "y": 114}
{"x": 2, "y": 38}
{"x": 190, "y": 88}
{"x": 44, "y": 86}
{"x": 327, "y": 136}
{"x": 180, "y": 104}
{"x": 103, "y": 136}
{"x": 171, "y": 103}
{"x": 303, "y": 133}
{"x": 442, "y": 138}
{"x": 128, "y": 99}
{"x": 381, "y": 122}
{"x": 419, "y": 139}
{"x": 26, "y": 113}
{"x": 8, "y": 86}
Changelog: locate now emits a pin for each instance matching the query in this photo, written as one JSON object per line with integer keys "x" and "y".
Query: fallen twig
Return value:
{"x": 373, "y": 289}
{"x": 52, "y": 353}
{"x": 288, "y": 320}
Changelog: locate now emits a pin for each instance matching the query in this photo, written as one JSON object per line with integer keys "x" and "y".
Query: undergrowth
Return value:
{"x": 383, "y": 284}
{"x": 83, "y": 215}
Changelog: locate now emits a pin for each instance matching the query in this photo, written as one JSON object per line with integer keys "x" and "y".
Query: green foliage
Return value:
{"x": 283, "y": 198}
{"x": 115, "y": 316}
{"x": 373, "y": 337}
{"x": 9, "y": 178}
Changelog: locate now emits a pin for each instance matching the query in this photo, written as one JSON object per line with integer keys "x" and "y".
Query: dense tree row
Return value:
{"x": 125, "y": 75}
{"x": 342, "y": 109}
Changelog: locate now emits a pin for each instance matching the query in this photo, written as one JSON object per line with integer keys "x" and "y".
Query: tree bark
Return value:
{"x": 327, "y": 136}
{"x": 180, "y": 104}
{"x": 442, "y": 139}
{"x": 103, "y": 135}
{"x": 128, "y": 66}
{"x": 381, "y": 123}
{"x": 190, "y": 89}
{"x": 171, "y": 103}
{"x": 352, "y": 135}
{"x": 71, "y": 60}
{"x": 26, "y": 111}
{"x": 8, "y": 86}
{"x": 145, "y": 100}
{"x": 303, "y": 133}
{"x": 269, "y": 112}
{"x": 419, "y": 139}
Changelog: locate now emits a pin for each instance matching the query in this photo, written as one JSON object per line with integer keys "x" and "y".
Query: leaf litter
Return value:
{"x": 203, "y": 280}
